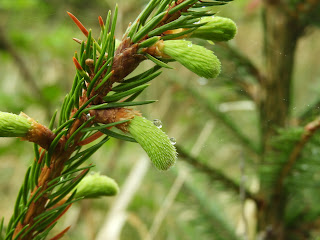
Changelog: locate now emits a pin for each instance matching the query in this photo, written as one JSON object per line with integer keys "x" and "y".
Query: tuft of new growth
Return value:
{"x": 96, "y": 185}
{"x": 216, "y": 29}
{"x": 12, "y": 125}
{"x": 154, "y": 141}
{"x": 196, "y": 58}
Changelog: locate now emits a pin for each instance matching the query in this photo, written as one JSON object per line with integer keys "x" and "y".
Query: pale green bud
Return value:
{"x": 96, "y": 185}
{"x": 196, "y": 58}
{"x": 12, "y": 125}
{"x": 155, "y": 142}
{"x": 117, "y": 43}
{"x": 217, "y": 29}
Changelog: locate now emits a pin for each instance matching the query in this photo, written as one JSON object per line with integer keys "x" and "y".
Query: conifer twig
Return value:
{"x": 225, "y": 120}
{"x": 116, "y": 215}
{"x": 251, "y": 90}
{"x": 214, "y": 174}
{"x": 95, "y": 105}
{"x": 25, "y": 72}
{"x": 125, "y": 61}
{"x": 309, "y": 130}
{"x": 309, "y": 111}
{"x": 244, "y": 61}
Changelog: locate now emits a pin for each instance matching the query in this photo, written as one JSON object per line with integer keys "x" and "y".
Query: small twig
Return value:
{"x": 90, "y": 139}
{"x": 244, "y": 61}
{"x": 242, "y": 190}
{"x": 6, "y": 45}
{"x": 309, "y": 131}
{"x": 225, "y": 120}
{"x": 214, "y": 174}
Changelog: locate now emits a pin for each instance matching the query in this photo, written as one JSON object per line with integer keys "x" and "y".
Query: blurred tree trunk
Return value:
{"x": 281, "y": 33}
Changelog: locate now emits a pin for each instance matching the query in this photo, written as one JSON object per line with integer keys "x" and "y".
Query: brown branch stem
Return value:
{"x": 309, "y": 131}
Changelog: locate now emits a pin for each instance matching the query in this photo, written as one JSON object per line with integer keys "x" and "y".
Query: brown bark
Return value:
{"x": 282, "y": 32}
{"x": 281, "y": 35}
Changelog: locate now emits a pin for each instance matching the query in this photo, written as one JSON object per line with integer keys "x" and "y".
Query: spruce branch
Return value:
{"x": 310, "y": 111}
{"x": 95, "y": 105}
{"x": 309, "y": 130}
{"x": 26, "y": 74}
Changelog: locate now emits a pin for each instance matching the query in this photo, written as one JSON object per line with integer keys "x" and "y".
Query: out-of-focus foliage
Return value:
{"x": 306, "y": 10}
{"x": 40, "y": 33}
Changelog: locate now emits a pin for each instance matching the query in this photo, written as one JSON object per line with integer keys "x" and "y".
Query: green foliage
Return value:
{"x": 302, "y": 179}
{"x": 284, "y": 145}
{"x": 307, "y": 11}
{"x": 216, "y": 29}
{"x": 191, "y": 102}
{"x": 7, "y": 4}
{"x": 12, "y": 125}
{"x": 97, "y": 68}
{"x": 212, "y": 218}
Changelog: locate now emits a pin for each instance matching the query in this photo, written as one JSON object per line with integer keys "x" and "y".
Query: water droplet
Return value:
{"x": 157, "y": 123}
{"x": 202, "y": 81}
{"x": 88, "y": 116}
{"x": 173, "y": 141}
{"x": 189, "y": 44}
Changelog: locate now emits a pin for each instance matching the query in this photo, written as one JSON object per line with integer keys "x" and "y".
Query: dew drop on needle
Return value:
{"x": 157, "y": 123}
{"x": 173, "y": 141}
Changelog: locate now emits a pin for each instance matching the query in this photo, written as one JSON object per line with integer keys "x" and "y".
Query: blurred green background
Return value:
{"x": 36, "y": 50}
